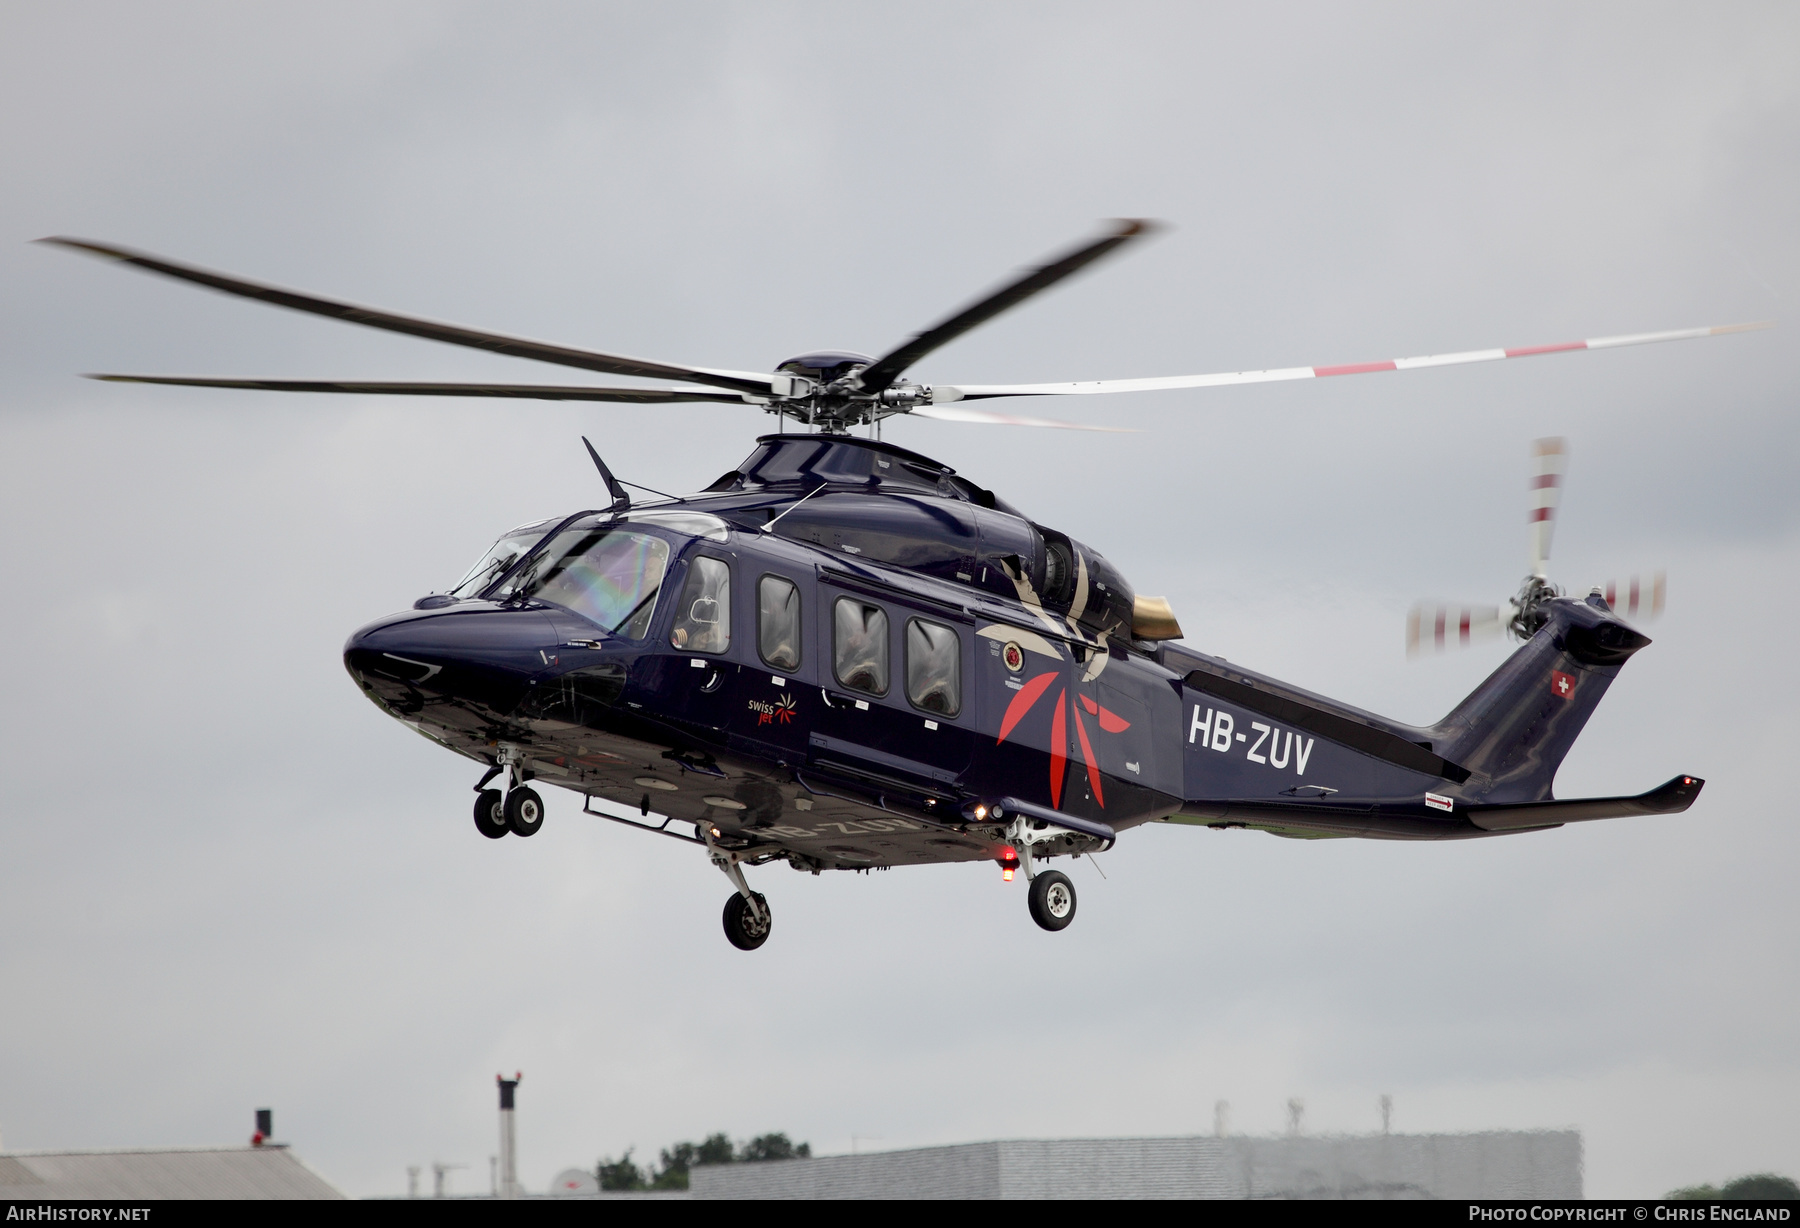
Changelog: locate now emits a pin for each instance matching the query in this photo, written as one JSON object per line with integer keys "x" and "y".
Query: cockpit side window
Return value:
{"x": 933, "y": 667}
{"x": 494, "y": 564}
{"x": 703, "y": 617}
{"x": 778, "y": 623}
{"x": 859, "y": 642}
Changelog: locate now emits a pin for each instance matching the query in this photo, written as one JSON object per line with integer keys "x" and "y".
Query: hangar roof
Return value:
{"x": 197, "y": 1172}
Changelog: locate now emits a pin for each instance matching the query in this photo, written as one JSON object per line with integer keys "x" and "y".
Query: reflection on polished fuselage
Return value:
{"x": 844, "y": 655}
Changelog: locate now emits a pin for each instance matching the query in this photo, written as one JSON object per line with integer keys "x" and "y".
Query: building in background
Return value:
{"x": 1497, "y": 1164}
{"x": 254, "y": 1172}
{"x": 263, "y": 1170}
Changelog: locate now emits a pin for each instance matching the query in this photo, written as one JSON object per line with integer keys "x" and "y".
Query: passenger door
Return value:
{"x": 705, "y": 633}
{"x": 776, "y": 706}
{"x": 875, "y": 729}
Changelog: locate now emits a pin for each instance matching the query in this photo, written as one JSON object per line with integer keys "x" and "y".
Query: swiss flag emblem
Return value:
{"x": 1561, "y": 685}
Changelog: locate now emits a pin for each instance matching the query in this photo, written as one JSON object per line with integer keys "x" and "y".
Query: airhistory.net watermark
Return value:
{"x": 52, "y": 1213}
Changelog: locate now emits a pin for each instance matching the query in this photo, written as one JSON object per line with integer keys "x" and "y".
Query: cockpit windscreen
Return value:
{"x": 610, "y": 576}
{"x": 494, "y": 564}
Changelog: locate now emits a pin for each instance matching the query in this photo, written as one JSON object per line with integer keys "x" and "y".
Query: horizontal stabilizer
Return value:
{"x": 1671, "y": 798}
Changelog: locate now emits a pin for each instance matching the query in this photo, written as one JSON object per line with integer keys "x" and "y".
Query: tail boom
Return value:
{"x": 1259, "y": 753}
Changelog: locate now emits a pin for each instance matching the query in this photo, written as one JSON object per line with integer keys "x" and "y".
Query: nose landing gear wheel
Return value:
{"x": 741, "y": 925}
{"x": 524, "y": 811}
{"x": 490, "y": 820}
{"x": 1052, "y": 900}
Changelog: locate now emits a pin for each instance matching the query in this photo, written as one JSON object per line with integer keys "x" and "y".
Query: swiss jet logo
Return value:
{"x": 1561, "y": 685}
{"x": 1110, "y": 722}
{"x": 769, "y": 714}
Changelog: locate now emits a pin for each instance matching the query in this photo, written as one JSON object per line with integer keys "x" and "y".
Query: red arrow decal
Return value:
{"x": 1087, "y": 755}
{"x": 1021, "y": 703}
{"x": 1110, "y": 721}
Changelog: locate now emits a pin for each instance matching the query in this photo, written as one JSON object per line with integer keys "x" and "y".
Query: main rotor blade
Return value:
{"x": 970, "y": 392}
{"x": 1549, "y": 466}
{"x": 535, "y": 392}
{"x": 518, "y": 347}
{"x": 948, "y": 413}
{"x": 881, "y": 373}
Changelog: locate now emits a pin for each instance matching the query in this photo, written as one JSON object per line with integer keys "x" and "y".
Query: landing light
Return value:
{"x": 980, "y": 812}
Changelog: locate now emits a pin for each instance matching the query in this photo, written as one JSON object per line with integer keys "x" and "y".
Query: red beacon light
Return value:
{"x": 1009, "y": 862}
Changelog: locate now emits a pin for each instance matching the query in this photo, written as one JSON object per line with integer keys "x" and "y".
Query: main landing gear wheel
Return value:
{"x": 741, "y": 926}
{"x": 1052, "y": 900}
{"x": 490, "y": 817}
{"x": 524, "y": 811}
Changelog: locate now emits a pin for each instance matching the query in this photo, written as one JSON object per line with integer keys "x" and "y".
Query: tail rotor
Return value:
{"x": 1637, "y": 596}
{"x": 1434, "y": 626}
{"x": 1549, "y": 465}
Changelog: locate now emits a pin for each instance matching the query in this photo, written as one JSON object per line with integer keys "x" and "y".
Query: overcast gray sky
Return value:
{"x": 226, "y": 880}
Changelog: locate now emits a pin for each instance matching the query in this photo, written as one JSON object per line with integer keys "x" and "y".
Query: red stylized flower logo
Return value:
{"x": 1110, "y": 722}
{"x": 769, "y": 714}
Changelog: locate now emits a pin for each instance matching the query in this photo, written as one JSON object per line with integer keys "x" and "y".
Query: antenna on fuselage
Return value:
{"x": 621, "y": 502}
{"x": 770, "y": 527}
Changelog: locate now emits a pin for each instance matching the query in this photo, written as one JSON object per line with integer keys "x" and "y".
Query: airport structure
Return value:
{"x": 1542, "y": 1164}
{"x": 1498, "y": 1164}
{"x": 238, "y": 1173}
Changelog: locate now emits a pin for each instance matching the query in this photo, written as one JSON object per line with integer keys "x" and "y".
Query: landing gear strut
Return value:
{"x": 1052, "y": 894}
{"x": 519, "y": 810}
{"x": 747, "y": 917}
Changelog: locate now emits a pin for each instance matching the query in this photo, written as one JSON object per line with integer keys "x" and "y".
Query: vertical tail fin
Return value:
{"x": 1514, "y": 729}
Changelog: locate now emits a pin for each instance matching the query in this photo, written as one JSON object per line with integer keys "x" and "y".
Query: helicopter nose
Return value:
{"x": 484, "y": 656}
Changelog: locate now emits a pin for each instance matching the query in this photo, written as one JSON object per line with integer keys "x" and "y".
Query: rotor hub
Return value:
{"x": 823, "y": 389}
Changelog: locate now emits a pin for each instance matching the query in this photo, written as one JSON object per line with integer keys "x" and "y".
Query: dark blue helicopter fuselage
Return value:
{"x": 998, "y": 662}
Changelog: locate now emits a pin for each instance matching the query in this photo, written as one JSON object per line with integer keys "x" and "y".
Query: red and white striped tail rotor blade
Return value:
{"x": 1434, "y": 626}
{"x": 1549, "y": 466}
{"x": 1637, "y": 596}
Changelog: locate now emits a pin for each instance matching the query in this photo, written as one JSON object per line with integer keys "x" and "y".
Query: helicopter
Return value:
{"x": 844, "y": 655}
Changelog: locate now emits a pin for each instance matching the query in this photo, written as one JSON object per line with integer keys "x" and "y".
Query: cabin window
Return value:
{"x": 859, "y": 641}
{"x": 778, "y": 623}
{"x": 933, "y": 667}
{"x": 703, "y": 619}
